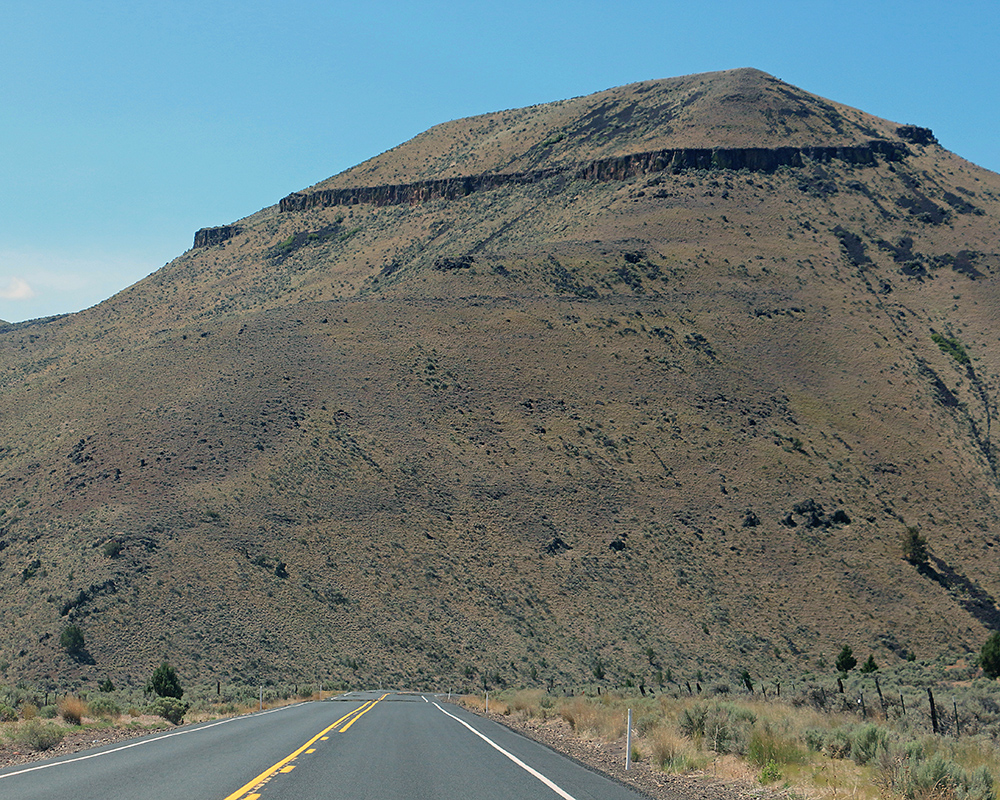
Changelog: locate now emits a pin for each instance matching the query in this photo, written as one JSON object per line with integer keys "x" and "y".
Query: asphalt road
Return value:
{"x": 360, "y": 746}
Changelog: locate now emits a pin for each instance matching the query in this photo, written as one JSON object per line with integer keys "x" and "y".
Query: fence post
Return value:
{"x": 958, "y": 725}
{"x": 934, "y": 719}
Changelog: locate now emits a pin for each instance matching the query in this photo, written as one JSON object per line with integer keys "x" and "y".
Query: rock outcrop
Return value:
{"x": 206, "y": 237}
{"x": 755, "y": 159}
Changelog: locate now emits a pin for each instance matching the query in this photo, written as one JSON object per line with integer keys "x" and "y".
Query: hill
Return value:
{"x": 656, "y": 378}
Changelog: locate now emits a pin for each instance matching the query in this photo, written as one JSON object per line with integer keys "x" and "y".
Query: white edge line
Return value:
{"x": 141, "y": 743}
{"x": 535, "y": 773}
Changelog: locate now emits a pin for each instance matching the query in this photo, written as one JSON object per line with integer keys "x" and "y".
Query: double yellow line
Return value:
{"x": 243, "y": 793}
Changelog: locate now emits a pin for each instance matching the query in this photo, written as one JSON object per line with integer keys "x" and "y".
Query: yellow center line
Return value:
{"x": 243, "y": 790}
{"x": 359, "y": 716}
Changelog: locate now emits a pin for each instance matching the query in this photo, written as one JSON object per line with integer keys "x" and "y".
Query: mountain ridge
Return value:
{"x": 708, "y": 110}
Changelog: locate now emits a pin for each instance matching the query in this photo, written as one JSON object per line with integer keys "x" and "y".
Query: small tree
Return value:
{"x": 915, "y": 547}
{"x": 747, "y": 680}
{"x": 869, "y": 666}
{"x": 989, "y": 656}
{"x": 164, "y": 682}
{"x": 846, "y": 661}
{"x": 71, "y": 640}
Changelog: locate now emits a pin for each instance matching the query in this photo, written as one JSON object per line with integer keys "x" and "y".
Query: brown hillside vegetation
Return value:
{"x": 617, "y": 397}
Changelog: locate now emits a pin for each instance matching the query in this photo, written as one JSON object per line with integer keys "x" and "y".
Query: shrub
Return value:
{"x": 48, "y": 712}
{"x": 692, "y": 721}
{"x": 170, "y": 708}
{"x": 837, "y": 744}
{"x": 770, "y": 773}
{"x": 869, "y": 666}
{"x": 29, "y": 711}
{"x": 104, "y": 707}
{"x": 37, "y": 735}
{"x": 72, "y": 709}
{"x": 914, "y": 547}
{"x": 815, "y": 739}
{"x": 867, "y": 742}
{"x": 71, "y": 640}
{"x": 164, "y": 682}
{"x": 7, "y": 714}
{"x": 989, "y": 656}
{"x": 952, "y": 347}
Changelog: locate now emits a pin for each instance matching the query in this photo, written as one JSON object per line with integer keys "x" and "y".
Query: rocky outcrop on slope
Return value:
{"x": 755, "y": 159}
{"x": 206, "y": 237}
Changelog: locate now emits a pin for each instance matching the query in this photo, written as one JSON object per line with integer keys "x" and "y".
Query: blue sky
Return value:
{"x": 124, "y": 127}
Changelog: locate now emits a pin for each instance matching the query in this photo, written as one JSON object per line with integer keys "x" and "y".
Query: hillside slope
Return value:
{"x": 653, "y": 378}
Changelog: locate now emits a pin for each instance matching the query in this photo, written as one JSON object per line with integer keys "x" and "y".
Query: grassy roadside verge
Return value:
{"x": 753, "y": 746}
{"x": 31, "y": 733}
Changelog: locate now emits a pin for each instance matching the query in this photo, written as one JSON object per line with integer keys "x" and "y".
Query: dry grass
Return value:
{"x": 672, "y": 752}
{"x": 748, "y": 740}
{"x": 479, "y": 703}
{"x": 72, "y": 709}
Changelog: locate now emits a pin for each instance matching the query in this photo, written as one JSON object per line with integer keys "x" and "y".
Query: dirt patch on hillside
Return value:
{"x": 608, "y": 758}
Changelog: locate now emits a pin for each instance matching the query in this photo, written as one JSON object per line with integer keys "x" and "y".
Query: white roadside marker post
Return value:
{"x": 628, "y": 741}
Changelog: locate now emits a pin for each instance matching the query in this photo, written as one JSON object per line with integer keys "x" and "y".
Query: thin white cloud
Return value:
{"x": 15, "y": 289}
{"x": 55, "y": 282}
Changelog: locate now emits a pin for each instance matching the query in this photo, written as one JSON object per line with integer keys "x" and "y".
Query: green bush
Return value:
{"x": 170, "y": 708}
{"x": 867, "y": 742}
{"x": 7, "y": 714}
{"x": 770, "y": 773}
{"x": 989, "y": 656}
{"x": 815, "y": 738}
{"x": 952, "y": 347}
{"x": 48, "y": 712}
{"x": 164, "y": 682}
{"x": 104, "y": 707}
{"x": 692, "y": 721}
{"x": 71, "y": 640}
{"x": 37, "y": 735}
{"x": 914, "y": 547}
{"x": 837, "y": 744}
